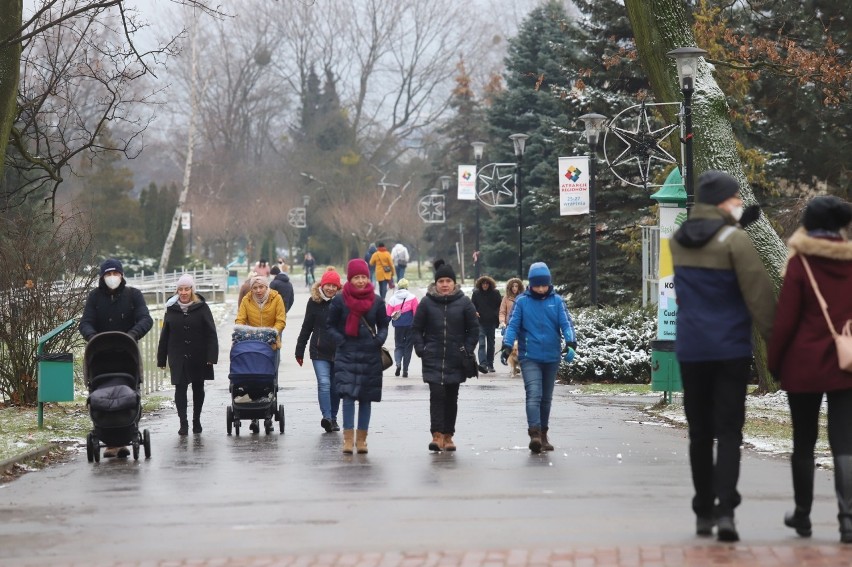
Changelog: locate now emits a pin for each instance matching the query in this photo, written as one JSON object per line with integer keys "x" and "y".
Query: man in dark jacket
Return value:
{"x": 281, "y": 283}
{"x": 722, "y": 289}
{"x": 487, "y": 299}
{"x": 115, "y": 307}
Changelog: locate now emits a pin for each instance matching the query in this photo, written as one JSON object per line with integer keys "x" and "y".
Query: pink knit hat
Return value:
{"x": 186, "y": 281}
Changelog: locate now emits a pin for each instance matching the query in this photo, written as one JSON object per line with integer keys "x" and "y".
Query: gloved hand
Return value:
{"x": 133, "y": 335}
{"x": 502, "y": 329}
{"x": 300, "y": 360}
{"x": 504, "y": 355}
{"x": 568, "y": 355}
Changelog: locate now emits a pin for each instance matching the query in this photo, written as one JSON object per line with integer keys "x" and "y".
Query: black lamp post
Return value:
{"x": 478, "y": 150}
{"x": 306, "y": 200}
{"x": 519, "y": 141}
{"x": 686, "y": 59}
{"x": 594, "y": 127}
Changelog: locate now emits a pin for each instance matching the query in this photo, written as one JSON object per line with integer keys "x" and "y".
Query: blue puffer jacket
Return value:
{"x": 358, "y": 360}
{"x": 536, "y": 323}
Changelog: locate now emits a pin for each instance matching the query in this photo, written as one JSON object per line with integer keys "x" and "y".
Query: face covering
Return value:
{"x": 112, "y": 282}
{"x": 737, "y": 213}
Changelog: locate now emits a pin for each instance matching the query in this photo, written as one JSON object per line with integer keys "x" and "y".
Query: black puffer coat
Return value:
{"x": 122, "y": 309}
{"x": 281, "y": 284}
{"x": 443, "y": 325}
{"x": 358, "y": 360}
{"x": 189, "y": 342}
{"x": 487, "y": 303}
{"x": 313, "y": 325}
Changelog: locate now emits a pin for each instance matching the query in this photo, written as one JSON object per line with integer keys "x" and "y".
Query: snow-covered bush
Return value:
{"x": 613, "y": 345}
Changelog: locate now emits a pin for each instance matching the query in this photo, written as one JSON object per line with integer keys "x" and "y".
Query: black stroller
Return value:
{"x": 254, "y": 386}
{"x": 113, "y": 372}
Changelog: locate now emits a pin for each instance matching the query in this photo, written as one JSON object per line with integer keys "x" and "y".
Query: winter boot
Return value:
{"x": 361, "y": 441}
{"x": 535, "y": 439}
{"x": 348, "y": 437}
{"x": 545, "y": 444}
{"x": 197, "y": 404}
{"x": 803, "y": 495}
{"x": 437, "y": 443}
{"x": 448, "y": 442}
{"x": 843, "y": 488}
{"x": 184, "y": 424}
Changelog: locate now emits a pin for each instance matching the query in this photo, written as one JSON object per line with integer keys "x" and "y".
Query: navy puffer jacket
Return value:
{"x": 443, "y": 325}
{"x": 358, "y": 360}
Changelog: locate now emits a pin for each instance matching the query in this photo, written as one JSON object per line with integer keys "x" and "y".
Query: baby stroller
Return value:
{"x": 113, "y": 372}
{"x": 254, "y": 386}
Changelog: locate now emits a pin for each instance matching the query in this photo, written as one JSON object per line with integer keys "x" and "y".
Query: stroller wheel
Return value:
{"x": 229, "y": 416}
{"x": 96, "y": 448}
{"x": 146, "y": 443}
{"x": 90, "y": 452}
{"x": 281, "y": 419}
{"x": 135, "y": 447}
{"x": 267, "y": 425}
{"x": 236, "y": 427}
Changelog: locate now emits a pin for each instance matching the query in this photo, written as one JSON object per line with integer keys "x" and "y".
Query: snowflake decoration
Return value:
{"x": 497, "y": 185}
{"x": 297, "y": 218}
{"x": 431, "y": 209}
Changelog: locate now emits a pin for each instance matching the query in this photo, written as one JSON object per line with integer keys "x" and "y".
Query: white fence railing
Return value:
{"x": 209, "y": 282}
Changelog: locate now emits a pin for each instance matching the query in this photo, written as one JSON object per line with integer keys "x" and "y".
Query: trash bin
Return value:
{"x": 233, "y": 279}
{"x": 665, "y": 369}
{"x": 56, "y": 377}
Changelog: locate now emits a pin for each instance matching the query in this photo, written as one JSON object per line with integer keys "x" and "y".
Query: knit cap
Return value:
{"x": 402, "y": 284}
{"x": 330, "y": 277}
{"x": 715, "y": 187}
{"x": 357, "y": 267}
{"x": 539, "y": 274}
{"x": 259, "y": 279}
{"x": 186, "y": 281}
{"x": 826, "y": 212}
{"x": 111, "y": 265}
{"x": 444, "y": 270}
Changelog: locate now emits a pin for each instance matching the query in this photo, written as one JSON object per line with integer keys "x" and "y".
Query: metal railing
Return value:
{"x": 650, "y": 264}
{"x": 210, "y": 282}
{"x": 154, "y": 379}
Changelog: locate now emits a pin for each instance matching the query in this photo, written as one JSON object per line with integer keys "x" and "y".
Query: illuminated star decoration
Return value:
{"x": 296, "y": 217}
{"x": 497, "y": 188}
{"x": 431, "y": 209}
{"x": 643, "y": 144}
{"x": 573, "y": 173}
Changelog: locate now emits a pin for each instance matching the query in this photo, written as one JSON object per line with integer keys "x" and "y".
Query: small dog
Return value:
{"x": 514, "y": 365}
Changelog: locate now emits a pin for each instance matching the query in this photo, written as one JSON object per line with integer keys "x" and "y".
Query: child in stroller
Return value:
{"x": 254, "y": 380}
{"x": 112, "y": 370}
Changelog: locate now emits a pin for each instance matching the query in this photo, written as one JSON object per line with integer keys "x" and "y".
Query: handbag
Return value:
{"x": 387, "y": 359}
{"x": 843, "y": 339}
{"x": 469, "y": 367}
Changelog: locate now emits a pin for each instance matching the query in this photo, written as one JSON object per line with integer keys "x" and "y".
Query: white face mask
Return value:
{"x": 112, "y": 282}
{"x": 737, "y": 213}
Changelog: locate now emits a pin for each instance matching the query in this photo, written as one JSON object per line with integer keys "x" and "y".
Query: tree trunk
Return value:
{"x": 658, "y": 27}
{"x": 11, "y": 13}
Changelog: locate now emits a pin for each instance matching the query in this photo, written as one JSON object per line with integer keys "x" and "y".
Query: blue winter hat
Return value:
{"x": 539, "y": 274}
{"x": 110, "y": 265}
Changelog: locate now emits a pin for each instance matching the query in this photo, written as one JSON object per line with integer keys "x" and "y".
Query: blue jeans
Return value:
{"x": 486, "y": 345}
{"x": 349, "y": 414}
{"x": 402, "y": 346}
{"x": 400, "y": 271}
{"x": 539, "y": 380}
{"x": 329, "y": 401}
{"x": 383, "y": 288}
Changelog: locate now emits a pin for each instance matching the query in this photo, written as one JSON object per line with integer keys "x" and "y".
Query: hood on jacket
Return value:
{"x": 282, "y": 277}
{"x": 316, "y": 296}
{"x": 702, "y": 226}
{"x": 802, "y": 243}
{"x": 432, "y": 292}
{"x": 483, "y": 279}
{"x": 509, "y": 283}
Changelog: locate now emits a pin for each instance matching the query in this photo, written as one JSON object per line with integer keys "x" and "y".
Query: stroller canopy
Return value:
{"x": 109, "y": 353}
{"x": 253, "y": 358}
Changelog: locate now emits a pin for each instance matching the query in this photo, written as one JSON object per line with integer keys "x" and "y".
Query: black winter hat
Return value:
{"x": 715, "y": 187}
{"x": 443, "y": 270}
{"x": 111, "y": 264}
{"x": 827, "y": 212}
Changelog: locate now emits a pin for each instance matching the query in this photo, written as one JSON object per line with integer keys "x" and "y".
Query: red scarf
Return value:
{"x": 359, "y": 302}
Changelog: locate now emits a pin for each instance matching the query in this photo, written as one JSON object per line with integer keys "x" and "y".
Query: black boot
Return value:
{"x": 184, "y": 424}
{"x": 197, "y": 404}
{"x": 803, "y": 495}
{"x": 843, "y": 488}
{"x": 535, "y": 439}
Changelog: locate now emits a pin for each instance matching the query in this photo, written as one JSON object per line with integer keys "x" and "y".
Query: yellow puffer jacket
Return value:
{"x": 381, "y": 259}
{"x": 272, "y": 315}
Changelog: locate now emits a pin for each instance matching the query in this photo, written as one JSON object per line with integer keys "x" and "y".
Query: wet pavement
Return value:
{"x": 616, "y": 490}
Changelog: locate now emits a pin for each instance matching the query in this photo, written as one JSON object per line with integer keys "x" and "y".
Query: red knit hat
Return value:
{"x": 357, "y": 267}
{"x": 330, "y": 277}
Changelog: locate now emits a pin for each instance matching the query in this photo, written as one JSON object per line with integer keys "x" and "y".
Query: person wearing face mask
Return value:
{"x": 113, "y": 306}
{"x": 722, "y": 290}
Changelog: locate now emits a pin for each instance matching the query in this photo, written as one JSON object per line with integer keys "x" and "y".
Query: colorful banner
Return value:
{"x": 671, "y": 218}
{"x": 574, "y": 185}
{"x": 467, "y": 183}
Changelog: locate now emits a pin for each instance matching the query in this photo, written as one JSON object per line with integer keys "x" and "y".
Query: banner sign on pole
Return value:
{"x": 671, "y": 217}
{"x": 185, "y": 220}
{"x": 467, "y": 183}
{"x": 574, "y": 185}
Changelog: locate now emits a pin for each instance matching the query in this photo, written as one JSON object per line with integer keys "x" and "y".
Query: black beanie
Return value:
{"x": 827, "y": 212}
{"x": 443, "y": 270}
{"x": 111, "y": 264}
{"x": 715, "y": 187}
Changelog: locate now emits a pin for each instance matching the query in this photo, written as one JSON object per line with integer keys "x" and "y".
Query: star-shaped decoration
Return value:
{"x": 497, "y": 188}
{"x": 431, "y": 209}
{"x": 296, "y": 217}
{"x": 643, "y": 143}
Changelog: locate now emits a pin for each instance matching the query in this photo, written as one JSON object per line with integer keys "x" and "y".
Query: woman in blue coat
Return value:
{"x": 539, "y": 323}
{"x": 358, "y": 325}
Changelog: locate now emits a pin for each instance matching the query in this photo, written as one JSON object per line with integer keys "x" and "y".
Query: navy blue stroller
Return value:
{"x": 112, "y": 369}
{"x": 254, "y": 386}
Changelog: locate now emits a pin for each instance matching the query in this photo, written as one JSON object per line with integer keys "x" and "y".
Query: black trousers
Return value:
{"x": 443, "y": 407}
{"x": 181, "y": 400}
{"x": 714, "y": 402}
{"x": 804, "y": 413}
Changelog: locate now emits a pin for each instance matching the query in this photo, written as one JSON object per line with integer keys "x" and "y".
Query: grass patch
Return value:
{"x": 594, "y": 389}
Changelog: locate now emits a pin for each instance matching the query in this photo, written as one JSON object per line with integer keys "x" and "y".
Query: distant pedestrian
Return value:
{"x": 514, "y": 288}
{"x": 399, "y": 254}
{"x": 540, "y": 323}
{"x": 358, "y": 325}
{"x": 487, "y": 300}
{"x": 722, "y": 288}
{"x": 188, "y": 341}
{"x": 383, "y": 264}
{"x": 281, "y": 283}
{"x": 309, "y": 264}
{"x": 262, "y": 268}
{"x": 283, "y": 266}
{"x": 445, "y": 331}
{"x": 401, "y": 308}
{"x": 371, "y": 249}
{"x": 322, "y": 347}
{"x": 803, "y": 355}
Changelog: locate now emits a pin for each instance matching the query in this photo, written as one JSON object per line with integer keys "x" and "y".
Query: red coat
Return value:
{"x": 802, "y": 352}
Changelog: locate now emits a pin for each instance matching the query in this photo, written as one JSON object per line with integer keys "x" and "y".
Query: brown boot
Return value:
{"x": 361, "y": 441}
{"x": 437, "y": 443}
{"x": 348, "y": 438}
{"x": 545, "y": 444}
{"x": 448, "y": 442}
{"x": 535, "y": 439}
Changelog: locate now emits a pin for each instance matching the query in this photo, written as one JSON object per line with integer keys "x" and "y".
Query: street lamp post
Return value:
{"x": 594, "y": 127}
{"x": 686, "y": 59}
{"x": 306, "y": 200}
{"x": 478, "y": 150}
{"x": 519, "y": 141}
